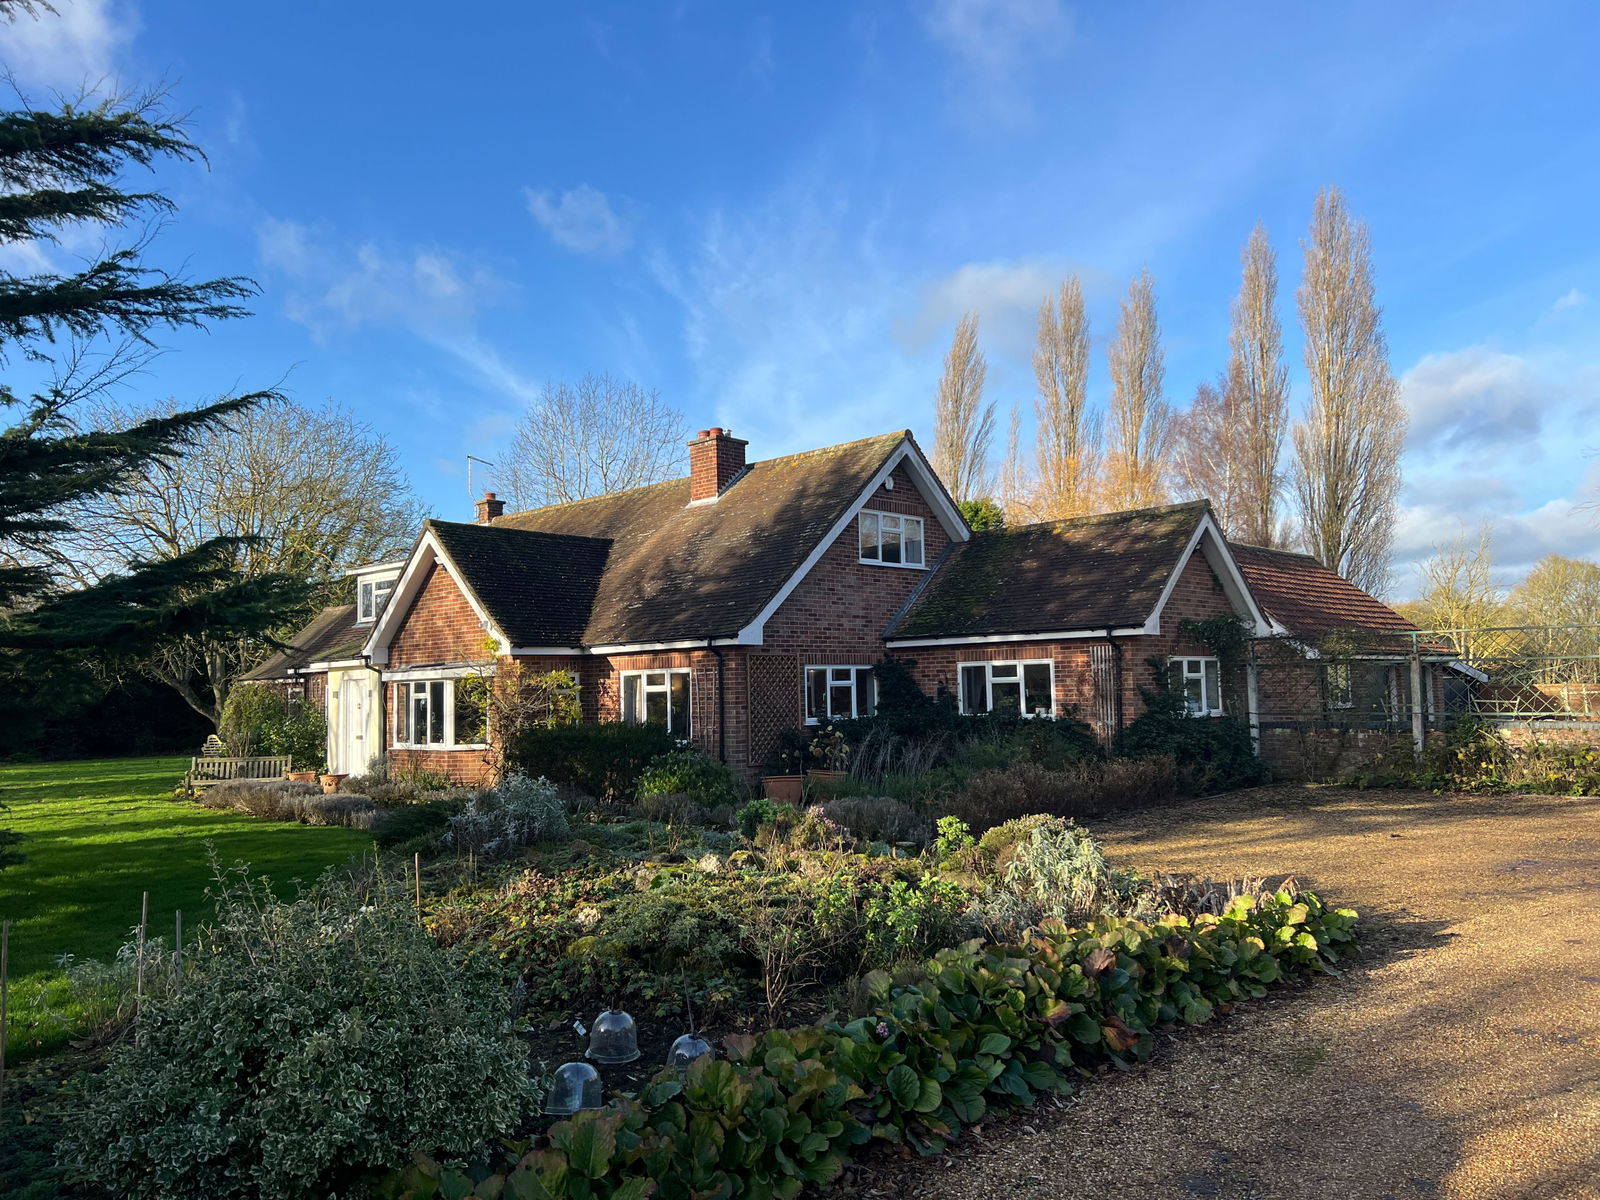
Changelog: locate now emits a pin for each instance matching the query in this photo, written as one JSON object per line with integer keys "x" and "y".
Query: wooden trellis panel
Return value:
{"x": 773, "y": 699}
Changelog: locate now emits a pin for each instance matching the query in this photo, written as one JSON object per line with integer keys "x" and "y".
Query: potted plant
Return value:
{"x": 301, "y": 776}
{"x": 831, "y": 750}
{"x": 330, "y": 783}
{"x": 783, "y": 779}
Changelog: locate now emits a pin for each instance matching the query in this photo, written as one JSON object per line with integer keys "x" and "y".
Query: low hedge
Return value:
{"x": 602, "y": 760}
{"x": 987, "y": 1025}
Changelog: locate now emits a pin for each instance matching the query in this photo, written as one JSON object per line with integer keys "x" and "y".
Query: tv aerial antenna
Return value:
{"x": 473, "y": 458}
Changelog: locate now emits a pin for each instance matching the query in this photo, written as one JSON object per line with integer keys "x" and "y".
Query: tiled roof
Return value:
{"x": 1093, "y": 572}
{"x": 1309, "y": 600}
{"x": 331, "y": 635}
{"x": 539, "y": 587}
{"x": 646, "y": 566}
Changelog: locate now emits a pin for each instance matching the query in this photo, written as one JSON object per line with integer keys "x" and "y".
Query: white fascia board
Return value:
{"x": 992, "y": 638}
{"x": 1208, "y": 535}
{"x": 335, "y": 664}
{"x": 427, "y": 552}
{"x": 393, "y": 566}
{"x": 927, "y": 484}
{"x": 442, "y": 671}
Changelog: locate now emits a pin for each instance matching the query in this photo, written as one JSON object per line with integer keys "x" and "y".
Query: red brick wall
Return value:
{"x": 839, "y": 612}
{"x": 440, "y": 626}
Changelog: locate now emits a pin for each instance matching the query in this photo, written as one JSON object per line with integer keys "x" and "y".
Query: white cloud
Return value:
{"x": 1573, "y": 299}
{"x": 581, "y": 220}
{"x": 1005, "y": 294}
{"x": 991, "y": 41}
{"x": 71, "y": 50}
{"x": 328, "y": 289}
{"x": 1473, "y": 398}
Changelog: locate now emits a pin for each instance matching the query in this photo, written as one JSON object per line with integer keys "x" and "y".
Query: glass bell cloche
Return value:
{"x": 575, "y": 1085}
{"x": 614, "y": 1038}
{"x": 686, "y": 1049}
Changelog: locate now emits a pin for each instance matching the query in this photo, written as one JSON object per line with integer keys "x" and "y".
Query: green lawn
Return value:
{"x": 100, "y": 833}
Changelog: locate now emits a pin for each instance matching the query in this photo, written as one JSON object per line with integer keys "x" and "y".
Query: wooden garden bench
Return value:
{"x": 206, "y": 770}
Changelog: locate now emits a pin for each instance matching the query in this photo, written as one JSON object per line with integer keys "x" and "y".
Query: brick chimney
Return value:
{"x": 715, "y": 458}
{"x": 489, "y": 508}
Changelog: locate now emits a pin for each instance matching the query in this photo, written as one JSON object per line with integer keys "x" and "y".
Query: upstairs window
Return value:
{"x": 1025, "y": 688}
{"x": 839, "y": 693}
{"x": 657, "y": 698}
{"x": 892, "y": 539}
{"x": 371, "y": 596}
{"x": 1199, "y": 682}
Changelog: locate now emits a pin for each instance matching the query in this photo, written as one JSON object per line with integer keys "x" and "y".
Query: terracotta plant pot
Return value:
{"x": 787, "y": 789}
{"x": 819, "y": 775}
{"x": 302, "y": 776}
{"x": 330, "y": 783}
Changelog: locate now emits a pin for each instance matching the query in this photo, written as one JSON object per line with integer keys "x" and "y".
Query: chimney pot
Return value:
{"x": 489, "y": 508}
{"x": 715, "y": 458}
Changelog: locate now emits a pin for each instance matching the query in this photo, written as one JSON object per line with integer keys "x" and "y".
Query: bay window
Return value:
{"x": 891, "y": 538}
{"x": 657, "y": 698}
{"x": 1024, "y": 688}
{"x": 839, "y": 693}
{"x": 1199, "y": 682}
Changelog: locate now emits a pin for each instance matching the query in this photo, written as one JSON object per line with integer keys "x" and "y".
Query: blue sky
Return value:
{"x": 776, "y": 213}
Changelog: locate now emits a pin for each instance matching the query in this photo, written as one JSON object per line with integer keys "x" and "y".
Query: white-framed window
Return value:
{"x": 371, "y": 596}
{"x": 1199, "y": 682}
{"x": 1341, "y": 686}
{"x": 891, "y": 538}
{"x": 437, "y": 714}
{"x": 1026, "y": 687}
{"x": 839, "y": 693}
{"x": 657, "y": 698}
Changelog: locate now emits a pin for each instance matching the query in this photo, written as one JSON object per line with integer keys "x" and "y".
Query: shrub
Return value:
{"x": 880, "y": 819}
{"x": 758, "y": 811}
{"x": 280, "y": 800}
{"x": 410, "y": 822}
{"x": 688, "y": 772}
{"x": 604, "y": 761}
{"x": 1054, "y": 870}
{"x": 518, "y": 812}
{"x": 249, "y": 706}
{"x": 314, "y": 1042}
{"x": 1213, "y": 754}
{"x": 992, "y": 798}
{"x": 871, "y": 921}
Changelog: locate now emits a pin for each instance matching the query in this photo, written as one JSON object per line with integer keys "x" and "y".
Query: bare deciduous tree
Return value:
{"x": 1068, "y": 434}
{"x": 1347, "y": 473}
{"x": 1013, "y": 488}
{"x": 1206, "y": 447}
{"x": 963, "y": 425}
{"x": 591, "y": 438}
{"x": 1457, "y": 587}
{"x": 1258, "y": 388}
{"x": 1136, "y": 459}
{"x": 311, "y": 490}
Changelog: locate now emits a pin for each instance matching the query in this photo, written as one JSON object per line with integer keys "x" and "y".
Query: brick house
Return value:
{"x": 755, "y": 597}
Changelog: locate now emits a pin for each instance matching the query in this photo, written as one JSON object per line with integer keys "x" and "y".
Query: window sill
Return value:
{"x": 443, "y": 747}
{"x": 873, "y": 562}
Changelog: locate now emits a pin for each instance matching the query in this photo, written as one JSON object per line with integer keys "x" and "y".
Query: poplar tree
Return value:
{"x": 1348, "y": 445}
{"x": 1136, "y": 458}
{"x": 1068, "y": 435}
{"x": 963, "y": 425}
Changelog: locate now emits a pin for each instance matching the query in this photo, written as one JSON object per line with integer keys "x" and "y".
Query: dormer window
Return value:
{"x": 371, "y": 596}
{"x": 891, "y": 539}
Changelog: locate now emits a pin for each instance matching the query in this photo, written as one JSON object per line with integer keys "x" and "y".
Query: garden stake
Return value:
{"x": 416, "y": 861}
{"x": 5, "y": 1029}
{"x": 177, "y": 950}
{"x": 138, "y": 988}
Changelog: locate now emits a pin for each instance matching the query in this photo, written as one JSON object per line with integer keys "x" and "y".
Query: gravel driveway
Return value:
{"x": 1458, "y": 1057}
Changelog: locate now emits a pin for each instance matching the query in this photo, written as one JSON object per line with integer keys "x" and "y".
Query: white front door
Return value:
{"x": 355, "y": 698}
